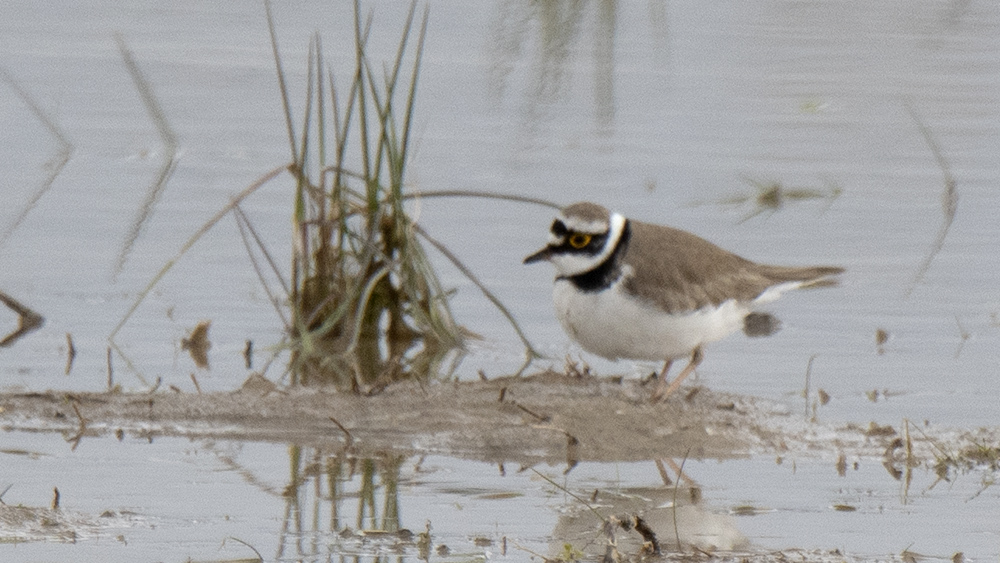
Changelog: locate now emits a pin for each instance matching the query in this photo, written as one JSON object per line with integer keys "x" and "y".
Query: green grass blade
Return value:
{"x": 282, "y": 86}
{"x": 191, "y": 241}
{"x": 489, "y": 295}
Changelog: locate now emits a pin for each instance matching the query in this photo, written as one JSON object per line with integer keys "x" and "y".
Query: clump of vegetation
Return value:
{"x": 363, "y": 306}
{"x": 366, "y": 306}
{"x": 976, "y": 456}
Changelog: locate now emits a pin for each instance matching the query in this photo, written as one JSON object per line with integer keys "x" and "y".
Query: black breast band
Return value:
{"x": 606, "y": 272}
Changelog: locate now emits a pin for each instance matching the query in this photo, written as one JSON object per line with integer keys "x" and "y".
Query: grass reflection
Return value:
{"x": 772, "y": 196}
{"x": 337, "y": 504}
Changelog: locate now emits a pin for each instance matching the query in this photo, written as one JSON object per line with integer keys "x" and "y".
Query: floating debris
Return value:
{"x": 27, "y": 320}
{"x": 248, "y": 354}
{"x": 875, "y": 430}
{"x": 881, "y": 337}
{"x": 197, "y": 344}
{"x": 771, "y": 196}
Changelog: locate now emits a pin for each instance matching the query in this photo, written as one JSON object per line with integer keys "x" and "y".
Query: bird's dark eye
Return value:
{"x": 579, "y": 240}
{"x": 559, "y": 228}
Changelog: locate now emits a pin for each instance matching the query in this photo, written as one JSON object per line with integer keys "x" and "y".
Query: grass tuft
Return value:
{"x": 362, "y": 305}
{"x": 367, "y": 307}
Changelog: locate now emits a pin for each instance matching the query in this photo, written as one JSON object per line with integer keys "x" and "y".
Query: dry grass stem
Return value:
{"x": 949, "y": 197}
{"x": 55, "y": 165}
{"x": 167, "y": 137}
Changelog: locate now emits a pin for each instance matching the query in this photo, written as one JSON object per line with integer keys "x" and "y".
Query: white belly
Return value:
{"x": 613, "y": 325}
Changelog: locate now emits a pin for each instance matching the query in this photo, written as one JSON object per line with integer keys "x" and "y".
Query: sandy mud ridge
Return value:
{"x": 545, "y": 418}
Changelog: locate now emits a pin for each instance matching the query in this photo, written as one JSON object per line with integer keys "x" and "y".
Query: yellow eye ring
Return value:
{"x": 579, "y": 240}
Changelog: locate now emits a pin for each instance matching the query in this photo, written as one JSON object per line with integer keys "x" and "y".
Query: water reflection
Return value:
{"x": 678, "y": 519}
{"x": 337, "y": 503}
{"x": 770, "y": 197}
{"x": 54, "y": 165}
{"x": 672, "y": 518}
{"x": 27, "y": 320}
{"x": 604, "y": 67}
{"x": 551, "y": 36}
{"x": 304, "y": 503}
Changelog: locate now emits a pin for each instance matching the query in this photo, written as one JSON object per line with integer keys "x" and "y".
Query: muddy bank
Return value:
{"x": 546, "y": 418}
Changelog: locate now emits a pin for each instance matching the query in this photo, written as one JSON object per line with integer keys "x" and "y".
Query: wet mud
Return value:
{"x": 548, "y": 418}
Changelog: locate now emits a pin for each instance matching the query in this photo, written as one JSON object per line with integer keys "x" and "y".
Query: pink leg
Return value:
{"x": 661, "y": 394}
{"x": 663, "y": 373}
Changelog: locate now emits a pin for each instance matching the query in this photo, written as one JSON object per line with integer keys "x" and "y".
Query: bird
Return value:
{"x": 626, "y": 289}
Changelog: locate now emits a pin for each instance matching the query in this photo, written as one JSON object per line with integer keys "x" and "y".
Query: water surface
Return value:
{"x": 666, "y": 111}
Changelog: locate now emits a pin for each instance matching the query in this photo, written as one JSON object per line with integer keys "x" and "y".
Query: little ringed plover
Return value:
{"x": 634, "y": 290}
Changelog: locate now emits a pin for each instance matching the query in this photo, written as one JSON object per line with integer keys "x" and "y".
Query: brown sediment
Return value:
{"x": 545, "y": 418}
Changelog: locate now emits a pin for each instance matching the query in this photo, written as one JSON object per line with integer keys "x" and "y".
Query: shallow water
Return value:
{"x": 174, "y": 499}
{"x": 663, "y": 111}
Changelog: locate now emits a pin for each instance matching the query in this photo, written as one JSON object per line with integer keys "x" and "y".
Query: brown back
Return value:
{"x": 685, "y": 272}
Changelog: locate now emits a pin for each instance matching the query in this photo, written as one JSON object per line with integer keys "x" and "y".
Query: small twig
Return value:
{"x": 805, "y": 393}
{"x": 83, "y": 421}
{"x": 347, "y": 433}
{"x": 911, "y": 462}
{"x": 195, "y": 381}
{"x": 541, "y": 418}
{"x": 252, "y": 548}
{"x": 111, "y": 371}
{"x": 81, "y": 429}
{"x": 248, "y": 354}
{"x": 129, "y": 366}
{"x": 570, "y": 493}
{"x": 4, "y": 493}
{"x": 55, "y": 498}
{"x": 908, "y": 442}
{"x": 677, "y": 535}
{"x": 534, "y": 553}
{"x": 70, "y": 353}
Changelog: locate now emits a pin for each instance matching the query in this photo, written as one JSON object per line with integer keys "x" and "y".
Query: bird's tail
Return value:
{"x": 813, "y": 276}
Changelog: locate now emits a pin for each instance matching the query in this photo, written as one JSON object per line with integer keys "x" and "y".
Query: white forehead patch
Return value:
{"x": 594, "y": 227}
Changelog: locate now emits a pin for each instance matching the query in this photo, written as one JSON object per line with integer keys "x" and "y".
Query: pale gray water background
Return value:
{"x": 659, "y": 110}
